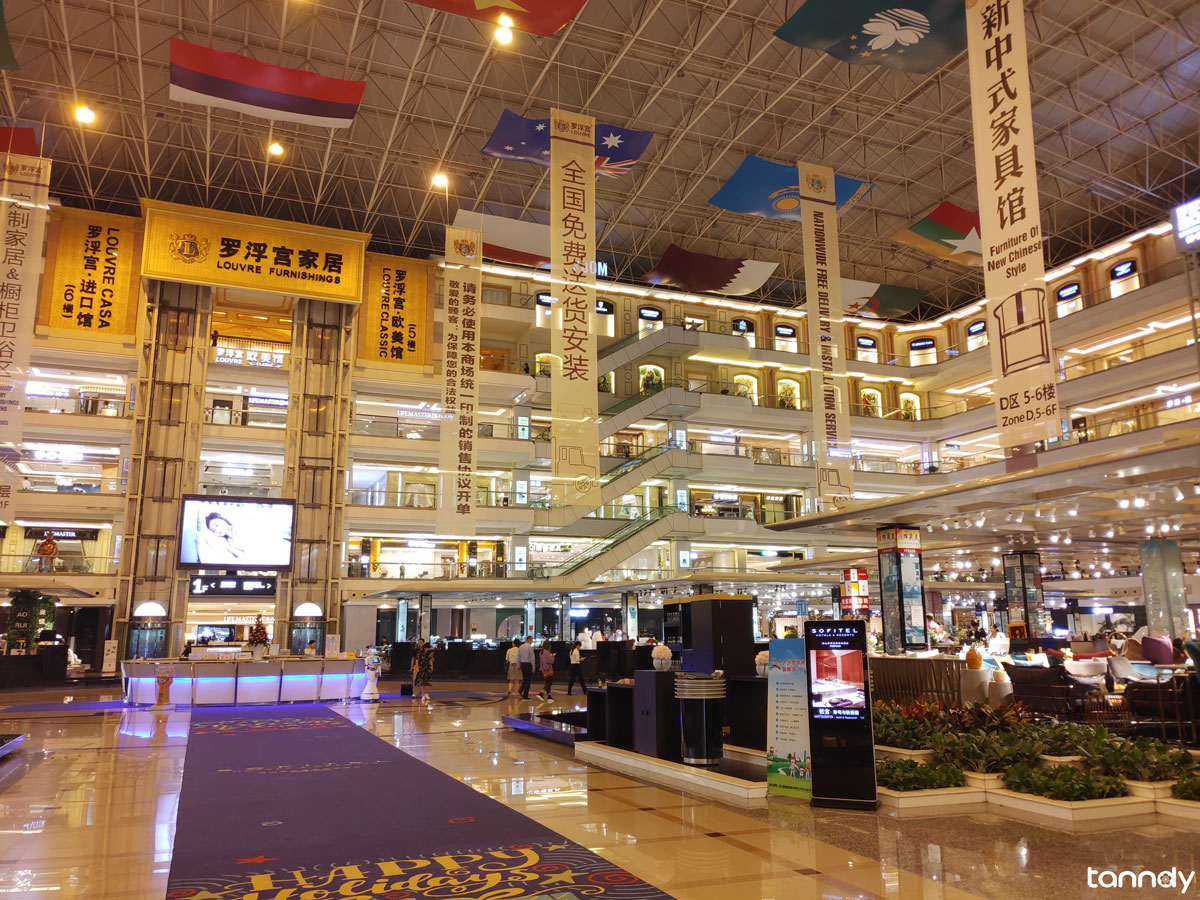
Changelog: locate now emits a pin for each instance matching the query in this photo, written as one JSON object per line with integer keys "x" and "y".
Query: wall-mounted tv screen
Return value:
{"x": 235, "y": 533}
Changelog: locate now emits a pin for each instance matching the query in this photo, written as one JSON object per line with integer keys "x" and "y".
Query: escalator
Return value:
{"x": 619, "y": 545}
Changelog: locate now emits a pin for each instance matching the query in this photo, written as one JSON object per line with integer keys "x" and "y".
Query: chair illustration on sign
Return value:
{"x": 1023, "y": 341}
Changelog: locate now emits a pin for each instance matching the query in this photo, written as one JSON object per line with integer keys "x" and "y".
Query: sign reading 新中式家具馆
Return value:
{"x": 397, "y": 313}
{"x": 823, "y": 287}
{"x": 574, "y": 413}
{"x": 460, "y": 366}
{"x": 24, "y": 200}
{"x": 202, "y": 246}
{"x": 1010, "y": 223}
{"x": 89, "y": 286}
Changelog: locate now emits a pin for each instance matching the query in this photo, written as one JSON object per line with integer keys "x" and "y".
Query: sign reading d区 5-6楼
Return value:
{"x": 1010, "y": 223}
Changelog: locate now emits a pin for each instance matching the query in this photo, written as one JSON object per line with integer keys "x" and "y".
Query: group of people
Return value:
{"x": 522, "y": 660}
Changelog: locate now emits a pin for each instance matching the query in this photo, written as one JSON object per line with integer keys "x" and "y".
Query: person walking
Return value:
{"x": 525, "y": 658}
{"x": 422, "y": 671}
{"x": 512, "y": 668}
{"x": 546, "y": 668}
{"x": 575, "y": 667}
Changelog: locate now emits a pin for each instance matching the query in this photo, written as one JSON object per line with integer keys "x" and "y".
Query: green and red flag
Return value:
{"x": 949, "y": 232}
{"x": 878, "y": 301}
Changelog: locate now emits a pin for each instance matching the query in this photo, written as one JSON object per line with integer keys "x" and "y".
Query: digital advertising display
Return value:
{"x": 235, "y": 533}
{"x": 840, "y": 736}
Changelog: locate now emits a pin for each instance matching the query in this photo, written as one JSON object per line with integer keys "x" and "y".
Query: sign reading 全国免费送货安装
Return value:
{"x": 202, "y": 246}
{"x": 1010, "y": 223}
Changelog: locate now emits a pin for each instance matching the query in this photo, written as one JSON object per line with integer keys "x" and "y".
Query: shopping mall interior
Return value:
{"x": 806, "y": 506}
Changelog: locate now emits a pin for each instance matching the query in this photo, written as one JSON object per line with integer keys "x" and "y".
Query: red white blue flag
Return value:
{"x": 230, "y": 81}
{"x": 528, "y": 140}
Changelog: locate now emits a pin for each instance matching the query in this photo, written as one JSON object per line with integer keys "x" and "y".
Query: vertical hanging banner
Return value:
{"x": 460, "y": 362}
{"x": 89, "y": 286}
{"x": 397, "y": 316}
{"x": 827, "y": 356}
{"x": 24, "y": 199}
{"x": 1010, "y": 223}
{"x": 574, "y": 425}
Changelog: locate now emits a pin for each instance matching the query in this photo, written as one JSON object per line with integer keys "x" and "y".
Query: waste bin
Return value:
{"x": 701, "y": 717}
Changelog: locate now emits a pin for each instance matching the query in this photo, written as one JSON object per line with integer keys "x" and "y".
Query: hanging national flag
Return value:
{"x": 760, "y": 187}
{"x": 528, "y": 140}
{"x": 229, "y": 81}
{"x": 700, "y": 272}
{"x": 535, "y": 16}
{"x": 7, "y": 59}
{"x": 22, "y": 140}
{"x": 878, "y": 301}
{"x": 509, "y": 240}
{"x": 917, "y": 37}
{"x": 949, "y": 232}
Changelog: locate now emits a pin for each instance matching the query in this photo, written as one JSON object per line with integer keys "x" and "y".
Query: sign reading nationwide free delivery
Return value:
{"x": 203, "y": 246}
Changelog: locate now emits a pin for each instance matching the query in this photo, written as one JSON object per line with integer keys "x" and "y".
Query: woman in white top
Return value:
{"x": 576, "y": 669}
{"x": 512, "y": 668}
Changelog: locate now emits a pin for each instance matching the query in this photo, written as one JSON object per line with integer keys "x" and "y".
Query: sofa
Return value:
{"x": 1052, "y": 690}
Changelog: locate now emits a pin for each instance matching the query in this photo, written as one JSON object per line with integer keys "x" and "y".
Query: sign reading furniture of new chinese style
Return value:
{"x": 24, "y": 195}
{"x": 1010, "y": 223}
{"x": 89, "y": 286}
{"x": 574, "y": 426}
{"x": 823, "y": 286}
{"x": 202, "y": 246}
{"x": 460, "y": 364}
{"x": 397, "y": 314}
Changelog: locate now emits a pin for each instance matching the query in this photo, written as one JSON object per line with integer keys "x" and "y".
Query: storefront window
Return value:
{"x": 977, "y": 335}
{"x": 785, "y": 338}
{"x": 922, "y": 351}
{"x": 789, "y": 393}
{"x": 747, "y": 386}
{"x": 650, "y": 379}
{"x": 650, "y": 317}
{"x": 606, "y": 383}
{"x": 545, "y": 362}
{"x": 866, "y": 349}
{"x": 1123, "y": 278}
{"x": 1068, "y": 299}
{"x": 870, "y": 403}
{"x": 910, "y": 407}
{"x": 745, "y": 328}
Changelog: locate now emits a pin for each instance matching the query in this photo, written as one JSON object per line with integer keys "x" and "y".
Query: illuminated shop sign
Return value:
{"x": 977, "y": 327}
{"x": 650, "y": 313}
{"x": 1068, "y": 291}
{"x": 742, "y": 326}
{"x": 785, "y": 331}
{"x": 867, "y": 343}
{"x": 63, "y": 534}
{"x": 231, "y": 586}
{"x": 259, "y": 400}
{"x": 921, "y": 344}
{"x": 544, "y": 299}
{"x": 1123, "y": 269}
{"x": 604, "y": 308}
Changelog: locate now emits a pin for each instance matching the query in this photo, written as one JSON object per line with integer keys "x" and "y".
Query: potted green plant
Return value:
{"x": 898, "y": 735}
{"x": 1070, "y": 794}
{"x": 257, "y": 640}
{"x": 907, "y": 784}
{"x": 1149, "y": 767}
{"x": 1184, "y": 800}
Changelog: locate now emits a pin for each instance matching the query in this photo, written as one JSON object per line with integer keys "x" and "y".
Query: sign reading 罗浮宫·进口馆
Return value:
{"x": 204, "y": 246}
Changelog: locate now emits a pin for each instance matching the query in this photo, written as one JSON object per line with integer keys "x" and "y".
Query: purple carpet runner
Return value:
{"x": 298, "y": 803}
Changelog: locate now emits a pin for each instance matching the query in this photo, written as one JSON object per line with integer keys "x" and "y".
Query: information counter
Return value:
{"x": 229, "y": 682}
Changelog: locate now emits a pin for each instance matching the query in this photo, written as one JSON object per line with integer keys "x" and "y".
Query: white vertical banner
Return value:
{"x": 1010, "y": 223}
{"x": 574, "y": 421}
{"x": 24, "y": 196}
{"x": 460, "y": 364}
{"x": 826, "y": 343}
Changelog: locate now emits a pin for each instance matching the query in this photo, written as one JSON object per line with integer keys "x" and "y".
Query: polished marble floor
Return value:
{"x": 89, "y": 808}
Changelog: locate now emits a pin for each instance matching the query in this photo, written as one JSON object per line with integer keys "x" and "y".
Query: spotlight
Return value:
{"x": 1067, "y": 538}
{"x": 1020, "y": 517}
{"x": 979, "y": 522}
{"x": 440, "y": 181}
{"x": 945, "y": 526}
{"x": 504, "y": 35}
{"x": 1073, "y": 511}
{"x": 1139, "y": 502}
{"x": 1149, "y": 529}
{"x": 1054, "y": 538}
{"x": 1178, "y": 494}
{"x": 1110, "y": 533}
{"x": 84, "y": 115}
{"x": 275, "y": 148}
{"x": 1123, "y": 502}
{"x": 929, "y": 528}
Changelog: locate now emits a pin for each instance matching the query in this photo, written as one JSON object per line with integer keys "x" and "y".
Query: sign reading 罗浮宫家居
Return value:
{"x": 89, "y": 286}
{"x": 397, "y": 314}
{"x": 1010, "y": 223}
{"x": 24, "y": 199}
{"x": 203, "y": 246}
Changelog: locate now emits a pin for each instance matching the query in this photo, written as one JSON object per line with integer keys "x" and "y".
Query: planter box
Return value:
{"x": 931, "y": 799}
{"x": 1072, "y": 811}
{"x": 984, "y": 780}
{"x": 1075, "y": 762}
{"x": 1152, "y": 789}
{"x": 882, "y": 752}
{"x": 1178, "y": 809}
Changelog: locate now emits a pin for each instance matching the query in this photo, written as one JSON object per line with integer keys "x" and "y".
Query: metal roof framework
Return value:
{"x": 1116, "y": 112}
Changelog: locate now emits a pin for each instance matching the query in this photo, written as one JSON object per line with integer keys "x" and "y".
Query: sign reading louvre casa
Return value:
{"x": 203, "y": 246}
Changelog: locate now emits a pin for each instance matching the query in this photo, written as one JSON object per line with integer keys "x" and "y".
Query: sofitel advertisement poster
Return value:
{"x": 789, "y": 772}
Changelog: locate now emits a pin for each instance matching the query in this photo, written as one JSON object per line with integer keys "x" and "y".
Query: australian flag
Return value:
{"x": 528, "y": 140}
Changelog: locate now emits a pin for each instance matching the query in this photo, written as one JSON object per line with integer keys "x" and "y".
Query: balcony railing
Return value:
{"x": 62, "y": 564}
{"x": 108, "y": 407}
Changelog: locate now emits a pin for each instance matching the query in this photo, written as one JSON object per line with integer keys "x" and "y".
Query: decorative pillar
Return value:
{"x": 565, "y": 629}
{"x": 677, "y": 433}
{"x": 530, "y": 616}
{"x": 1162, "y": 586}
{"x": 425, "y": 616}
{"x": 629, "y": 614}
{"x": 901, "y": 593}
{"x": 401, "y": 621}
{"x": 681, "y": 556}
{"x": 680, "y": 497}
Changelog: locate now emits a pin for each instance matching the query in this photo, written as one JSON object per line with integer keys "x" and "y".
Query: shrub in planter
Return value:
{"x": 910, "y": 775}
{"x": 1063, "y": 783}
{"x": 988, "y": 753}
{"x": 991, "y": 719}
{"x": 1140, "y": 759}
{"x": 1065, "y": 738}
{"x": 1187, "y": 788}
{"x": 894, "y": 729}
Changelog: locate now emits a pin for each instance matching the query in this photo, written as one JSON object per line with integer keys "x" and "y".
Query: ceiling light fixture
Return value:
{"x": 440, "y": 181}
{"x": 1178, "y": 494}
{"x": 84, "y": 115}
{"x": 1139, "y": 502}
{"x": 1123, "y": 501}
{"x": 275, "y": 148}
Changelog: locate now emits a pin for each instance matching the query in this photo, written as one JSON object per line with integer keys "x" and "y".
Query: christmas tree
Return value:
{"x": 258, "y": 633}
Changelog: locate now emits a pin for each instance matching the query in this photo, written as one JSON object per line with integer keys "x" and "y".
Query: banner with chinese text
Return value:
{"x": 203, "y": 246}
{"x": 827, "y": 354}
{"x": 89, "y": 286}
{"x": 574, "y": 425}
{"x": 1010, "y": 223}
{"x": 460, "y": 363}
{"x": 397, "y": 313}
{"x": 24, "y": 196}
